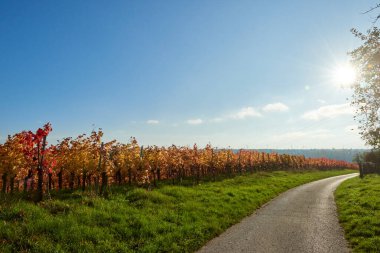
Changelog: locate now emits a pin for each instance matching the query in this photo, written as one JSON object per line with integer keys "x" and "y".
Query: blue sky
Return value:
{"x": 254, "y": 74}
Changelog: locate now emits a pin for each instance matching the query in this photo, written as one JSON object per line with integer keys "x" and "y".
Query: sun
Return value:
{"x": 344, "y": 75}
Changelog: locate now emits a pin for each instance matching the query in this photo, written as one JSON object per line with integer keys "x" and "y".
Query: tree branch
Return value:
{"x": 377, "y": 6}
{"x": 373, "y": 8}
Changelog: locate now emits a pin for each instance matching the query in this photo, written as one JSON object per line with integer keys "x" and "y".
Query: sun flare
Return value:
{"x": 344, "y": 75}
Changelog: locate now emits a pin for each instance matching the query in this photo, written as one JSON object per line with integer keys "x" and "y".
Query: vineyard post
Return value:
{"x": 89, "y": 176}
{"x": 40, "y": 169}
{"x": 361, "y": 170}
{"x": 104, "y": 173}
{"x": 99, "y": 167}
{"x": 228, "y": 164}
{"x": 78, "y": 182}
{"x": 27, "y": 178}
{"x": 4, "y": 178}
{"x": 25, "y": 183}
{"x": 172, "y": 174}
{"x": 84, "y": 177}
{"x": 118, "y": 176}
{"x": 239, "y": 164}
{"x": 158, "y": 170}
{"x": 12, "y": 183}
{"x": 60, "y": 179}
{"x": 49, "y": 181}
{"x": 72, "y": 179}
{"x": 251, "y": 162}
{"x": 179, "y": 170}
{"x": 104, "y": 183}
{"x": 130, "y": 175}
{"x": 198, "y": 172}
{"x": 153, "y": 171}
{"x": 71, "y": 182}
{"x": 96, "y": 183}
{"x": 158, "y": 173}
{"x": 212, "y": 164}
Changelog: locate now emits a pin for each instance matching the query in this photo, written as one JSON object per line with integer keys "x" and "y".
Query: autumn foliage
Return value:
{"x": 28, "y": 163}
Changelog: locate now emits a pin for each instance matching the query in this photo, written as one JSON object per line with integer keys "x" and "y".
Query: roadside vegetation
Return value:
{"x": 358, "y": 203}
{"x": 168, "y": 218}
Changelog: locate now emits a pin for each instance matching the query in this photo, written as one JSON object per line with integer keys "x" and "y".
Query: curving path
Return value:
{"x": 303, "y": 219}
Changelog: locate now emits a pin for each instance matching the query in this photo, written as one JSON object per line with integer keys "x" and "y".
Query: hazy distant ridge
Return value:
{"x": 338, "y": 154}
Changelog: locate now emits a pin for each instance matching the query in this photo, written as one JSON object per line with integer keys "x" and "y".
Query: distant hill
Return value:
{"x": 337, "y": 154}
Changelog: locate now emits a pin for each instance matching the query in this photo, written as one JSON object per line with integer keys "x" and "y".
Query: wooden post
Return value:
{"x": 118, "y": 176}
{"x": 4, "y": 178}
{"x": 84, "y": 177}
{"x": 71, "y": 182}
{"x": 40, "y": 170}
{"x": 361, "y": 170}
{"x": 12, "y": 183}
{"x": 50, "y": 181}
{"x": 103, "y": 188}
{"x": 60, "y": 180}
{"x": 130, "y": 176}
{"x": 239, "y": 165}
{"x": 104, "y": 176}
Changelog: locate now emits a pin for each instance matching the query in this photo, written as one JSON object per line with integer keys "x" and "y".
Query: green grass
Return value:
{"x": 167, "y": 219}
{"x": 358, "y": 203}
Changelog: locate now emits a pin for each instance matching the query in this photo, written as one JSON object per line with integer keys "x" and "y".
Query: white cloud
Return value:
{"x": 153, "y": 122}
{"x": 307, "y": 87}
{"x": 217, "y": 120}
{"x": 309, "y": 138}
{"x": 245, "y": 112}
{"x": 328, "y": 111}
{"x": 275, "y": 107}
{"x": 321, "y": 101}
{"x": 194, "y": 121}
{"x": 298, "y": 135}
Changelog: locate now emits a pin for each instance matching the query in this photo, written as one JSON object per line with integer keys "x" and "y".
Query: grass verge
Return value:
{"x": 358, "y": 202}
{"x": 167, "y": 219}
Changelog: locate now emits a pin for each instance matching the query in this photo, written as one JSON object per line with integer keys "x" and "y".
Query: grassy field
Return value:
{"x": 358, "y": 203}
{"x": 169, "y": 218}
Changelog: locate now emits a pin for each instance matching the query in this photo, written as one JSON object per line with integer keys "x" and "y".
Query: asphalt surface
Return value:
{"x": 303, "y": 219}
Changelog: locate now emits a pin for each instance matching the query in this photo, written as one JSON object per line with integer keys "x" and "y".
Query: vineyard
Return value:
{"x": 28, "y": 163}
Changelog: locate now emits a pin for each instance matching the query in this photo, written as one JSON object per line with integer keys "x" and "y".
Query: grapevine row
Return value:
{"x": 28, "y": 163}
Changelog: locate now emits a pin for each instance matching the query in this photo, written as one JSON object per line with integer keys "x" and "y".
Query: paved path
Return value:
{"x": 303, "y": 219}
